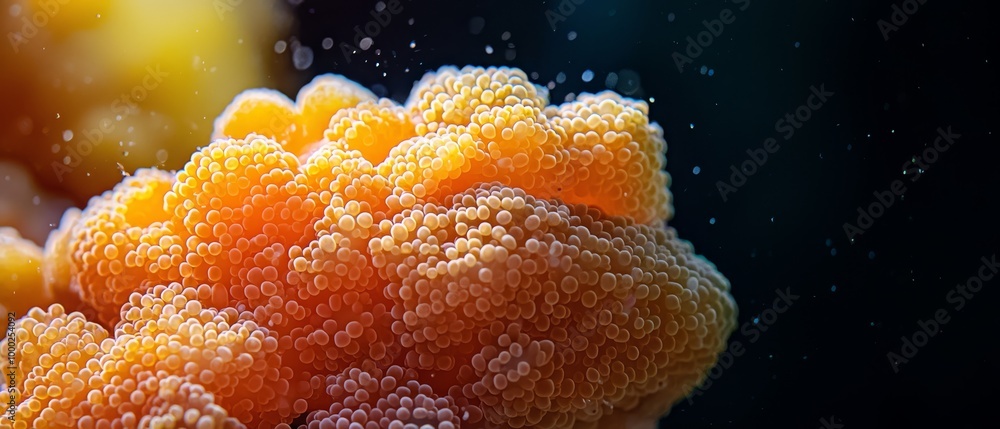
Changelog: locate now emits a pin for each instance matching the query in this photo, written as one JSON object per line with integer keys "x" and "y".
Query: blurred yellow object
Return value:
{"x": 95, "y": 89}
{"x": 21, "y": 283}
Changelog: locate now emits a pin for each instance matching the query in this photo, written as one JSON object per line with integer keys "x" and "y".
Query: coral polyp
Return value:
{"x": 474, "y": 258}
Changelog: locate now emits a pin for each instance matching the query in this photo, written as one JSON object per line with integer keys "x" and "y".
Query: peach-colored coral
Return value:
{"x": 472, "y": 259}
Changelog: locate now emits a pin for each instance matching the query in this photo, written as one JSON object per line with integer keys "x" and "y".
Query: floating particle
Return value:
{"x": 711, "y": 72}
{"x": 380, "y": 6}
{"x": 797, "y": 44}
{"x": 67, "y": 135}
{"x": 671, "y": 17}
{"x": 476, "y": 24}
{"x": 696, "y": 170}
{"x": 704, "y": 69}
{"x": 327, "y": 43}
{"x": 413, "y": 44}
{"x": 561, "y": 77}
{"x": 279, "y": 47}
{"x": 161, "y": 156}
{"x": 829, "y": 242}
{"x": 833, "y": 288}
{"x": 380, "y": 90}
{"x": 302, "y": 58}
{"x": 587, "y": 76}
{"x": 510, "y": 54}
{"x": 833, "y": 251}
{"x": 571, "y": 35}
{"x": 612, "y": 80}
{"x": 505, "y": 35}
{"x": 871, "y": 255}
{"x": 711, "y": 221}
{"x": 691, "y": 125}
{"x": 628, "y": 82}
{"x": 489, "y": 49}
{"x": 366, "y": 43}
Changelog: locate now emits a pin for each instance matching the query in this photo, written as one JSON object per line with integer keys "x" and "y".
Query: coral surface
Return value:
{"x": 474, "y": 258}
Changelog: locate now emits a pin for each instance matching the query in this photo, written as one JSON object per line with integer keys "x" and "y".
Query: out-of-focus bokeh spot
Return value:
{"x": 93, "y": 90}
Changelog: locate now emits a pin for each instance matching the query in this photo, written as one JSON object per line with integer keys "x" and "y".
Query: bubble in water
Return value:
{"x": 571, "y": 36}
{"x": 327, "y": 43}
{"x": 489, "y": 49}
{"x": 302, "y": 58}
{"x": 561, "y": 77}
{"x": 671, "y": 17}
{"x": 628, "y": 82}
{"x": 67, "y": 135}
{"x": 505, "y": 35}
{"x": 612, "y": 80}
{"x": 587, "y": 76}
{"x": 280, "y": 46}
{"x": 696, "y": 170}
{"x": 366, "y": 43}
{"x": 161, "y": 156}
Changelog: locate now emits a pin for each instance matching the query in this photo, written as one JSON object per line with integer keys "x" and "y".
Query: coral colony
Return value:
{"x": 474, "y": 258}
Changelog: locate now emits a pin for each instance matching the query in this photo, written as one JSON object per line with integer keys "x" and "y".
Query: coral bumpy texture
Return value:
{"x": 474, "y": 258}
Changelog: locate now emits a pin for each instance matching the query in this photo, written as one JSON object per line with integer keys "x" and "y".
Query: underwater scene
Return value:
{"x": 558, "y": 214}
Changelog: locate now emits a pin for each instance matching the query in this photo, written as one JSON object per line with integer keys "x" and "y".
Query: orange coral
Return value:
{"x": 471, "y": 259}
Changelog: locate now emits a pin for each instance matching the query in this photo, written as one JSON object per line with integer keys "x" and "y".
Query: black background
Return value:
{"x": 826, "y": 357}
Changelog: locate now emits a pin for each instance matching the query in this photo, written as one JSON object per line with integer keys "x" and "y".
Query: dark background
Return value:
{"x": 826, "y": 357}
